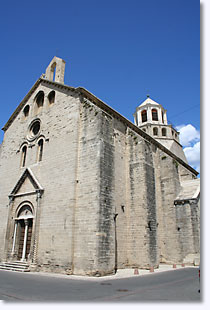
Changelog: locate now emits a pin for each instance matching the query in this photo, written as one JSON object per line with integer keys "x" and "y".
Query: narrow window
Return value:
{"x": 154, "y": 115}
{"x": 163, "y": 131}
{"x": 39, "y": 101}
{"x": 26, "y": 110}
{"x": 40, "y": 149}
{"x": 23, "y": 156}
{"x": 162, "y": 117}
{"x": 51, "y": 97}
{"x": 155, "y": 131}
{"x": 144, "y": 116}
{"x": 172, "y": 132}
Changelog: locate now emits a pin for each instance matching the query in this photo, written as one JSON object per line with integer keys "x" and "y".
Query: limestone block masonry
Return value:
{"x": 85, "y": 191}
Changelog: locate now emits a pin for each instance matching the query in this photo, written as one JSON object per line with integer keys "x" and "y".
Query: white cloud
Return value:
{"x": 192, "y": 154}
{"x": 189, "y": 135}
{"x": 190, "y": 139}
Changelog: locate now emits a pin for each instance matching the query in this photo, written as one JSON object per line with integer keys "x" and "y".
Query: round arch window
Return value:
{"x": 34, "y": 130}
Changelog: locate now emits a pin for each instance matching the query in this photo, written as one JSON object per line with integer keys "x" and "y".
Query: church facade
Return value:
{"x": 85, "y": 191}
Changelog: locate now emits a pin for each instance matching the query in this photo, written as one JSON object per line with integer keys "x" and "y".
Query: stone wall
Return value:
{"x": 109, "y": 190}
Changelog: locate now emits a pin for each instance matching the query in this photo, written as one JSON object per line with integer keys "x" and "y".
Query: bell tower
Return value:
{"x": 151, "y": 117}
{"x": 55, "y": 70}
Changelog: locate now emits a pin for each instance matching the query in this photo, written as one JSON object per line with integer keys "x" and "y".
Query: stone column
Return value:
{"x": 14, "y": 238}
{"x": 25, "y": 241}
{"x": 165, "y": 118}
{"x": 35, "y": 236}
{"x": 159, "y": 115}
{"x": 149, "y": 115}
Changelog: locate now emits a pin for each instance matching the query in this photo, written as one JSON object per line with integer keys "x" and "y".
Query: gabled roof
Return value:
{"x": 25, "y": 99}
{"x": 84, "y": 92}
{"x": 148, "y": 101}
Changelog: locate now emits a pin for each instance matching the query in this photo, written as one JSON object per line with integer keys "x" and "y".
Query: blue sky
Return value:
{"x": 118, "y": 50}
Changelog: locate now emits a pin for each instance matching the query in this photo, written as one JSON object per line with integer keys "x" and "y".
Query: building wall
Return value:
{"x": 109, "y": 193}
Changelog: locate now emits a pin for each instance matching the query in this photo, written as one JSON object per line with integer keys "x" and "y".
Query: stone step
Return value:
{"x": 14, "y": 269}
{"x": 15, "y": 266}
{"x": 16, "y": 263}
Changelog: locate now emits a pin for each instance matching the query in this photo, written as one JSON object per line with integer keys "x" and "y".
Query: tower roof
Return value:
{"x": 148, "y": 101}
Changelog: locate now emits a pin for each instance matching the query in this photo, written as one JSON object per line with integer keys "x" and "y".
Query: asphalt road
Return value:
{"x": 176, "y": 285}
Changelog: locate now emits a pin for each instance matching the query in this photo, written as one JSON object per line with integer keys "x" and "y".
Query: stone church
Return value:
{"x": 85, "y": 191}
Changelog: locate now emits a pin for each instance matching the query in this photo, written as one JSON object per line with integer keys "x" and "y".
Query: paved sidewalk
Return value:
{"x": 121, "y": 273}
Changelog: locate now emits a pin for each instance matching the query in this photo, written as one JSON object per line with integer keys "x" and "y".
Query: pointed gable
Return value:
{"x": 26, "y": 184}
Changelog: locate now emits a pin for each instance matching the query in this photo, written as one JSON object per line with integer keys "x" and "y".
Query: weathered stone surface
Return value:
{"x": 101, "y": 197}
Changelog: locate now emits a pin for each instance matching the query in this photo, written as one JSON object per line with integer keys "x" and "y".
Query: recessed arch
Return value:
{"x": 26, "y": 110}
{"x": 144, "y": 116}
{"x": 51, "y": 97}
{"x": 25, "y": 211}
{"x": 39, "y": 101}
{"x": 21, "y": 208}
{"x": 22, "y": 235}
{"x": 23, "y": 155}
{"x": 40, "y": 149}
{"x": 164, "y": 132}
{"x": 154, "y": 115}
{"x": 155, "y": 131}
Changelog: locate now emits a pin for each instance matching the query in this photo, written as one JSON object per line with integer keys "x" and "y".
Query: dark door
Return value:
{"x": 21, "y": 238}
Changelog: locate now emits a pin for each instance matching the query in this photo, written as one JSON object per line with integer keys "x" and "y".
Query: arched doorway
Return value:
{"x": 23, "y": 232}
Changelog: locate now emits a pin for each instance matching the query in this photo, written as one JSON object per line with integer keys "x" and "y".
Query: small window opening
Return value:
{"x": 40, "y": 99}
{"x": 155, "y": 131}
{"x": 35, "y": 128}
{"x": 172, "y": 132}
{"x": 144, "y": 116}
{"x": 149, "y": 226}
{"x": 154, "y": 115}
{"x": 115, "y": 216}
{"x": 163, "y": 131}
{"x": 40, "y": 149}
{"x": 178, "y": 228}
{"x": 175, "y": 135}
{"x": 51, "y": 97}
{"x": 23, "y": 156}
{"x": 26, "y": 110}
